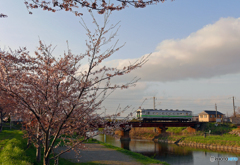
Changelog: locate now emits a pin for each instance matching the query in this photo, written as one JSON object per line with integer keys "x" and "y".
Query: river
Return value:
{"x": 172, "y": 153}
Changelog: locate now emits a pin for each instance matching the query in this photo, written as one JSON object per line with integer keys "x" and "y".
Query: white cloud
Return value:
{"x": 211, "y": 51}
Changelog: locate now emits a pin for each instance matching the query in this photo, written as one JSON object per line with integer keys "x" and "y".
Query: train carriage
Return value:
{"x": 159, "y": 115}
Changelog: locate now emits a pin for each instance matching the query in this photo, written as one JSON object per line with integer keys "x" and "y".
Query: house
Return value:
{"x": 210, "y": 116}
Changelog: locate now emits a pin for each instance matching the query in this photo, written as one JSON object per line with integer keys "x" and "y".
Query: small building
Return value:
{"x": 210, "y": 116}
{"x": 235, "y": 120}
{"x": 195, "y": 118}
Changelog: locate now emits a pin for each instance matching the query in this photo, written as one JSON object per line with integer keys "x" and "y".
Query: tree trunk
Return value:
{"x": 1, "y": 121}
{"x": 38, "y": 149}
{"x": 46, "y": 161}
{"x": 10, "y": 123}
{"x": 46, "y": 145}
{"x": 56, "y": 161}
{"x": 28, "y": 143}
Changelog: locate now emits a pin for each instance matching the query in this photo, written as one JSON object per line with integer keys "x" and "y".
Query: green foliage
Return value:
{"x": 176, "y": 130}
{"x": 219, "y": 129}
{"x": 135, "y": 120}
{"x": 92, "y": 141}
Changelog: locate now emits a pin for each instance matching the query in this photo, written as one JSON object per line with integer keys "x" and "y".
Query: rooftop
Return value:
{"x": 212, "y": 112}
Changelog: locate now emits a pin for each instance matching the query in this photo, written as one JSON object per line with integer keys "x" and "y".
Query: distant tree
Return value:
{"x": 57, "y": 97}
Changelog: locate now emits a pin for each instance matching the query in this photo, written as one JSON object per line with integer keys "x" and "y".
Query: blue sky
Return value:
{"x": 194, "y": 45}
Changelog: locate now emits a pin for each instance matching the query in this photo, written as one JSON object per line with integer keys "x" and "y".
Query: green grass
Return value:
{"x": 6, "y": 135}
{"x": 12, "y": 148}
{"x": 175, "y": 129}
{"x": 224, "y": 140}
{"x": 172, "y": 138}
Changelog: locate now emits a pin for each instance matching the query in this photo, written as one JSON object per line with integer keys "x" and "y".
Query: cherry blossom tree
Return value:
{"x": 58, "y": 98}
{"x": 74, "y": 5}
{"x": 2, "y": 15}
{"x": 7, "y": 106}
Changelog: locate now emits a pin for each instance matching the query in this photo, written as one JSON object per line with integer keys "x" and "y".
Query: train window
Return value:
{"x": 138, "y": 114}
{"x": 186, "y": 113}
{"x": 148, "y": 112}
{"x": 157, "y": 113}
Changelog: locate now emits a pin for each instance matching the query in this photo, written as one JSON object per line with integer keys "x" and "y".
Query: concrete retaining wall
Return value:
{"x": 205, "y": 146}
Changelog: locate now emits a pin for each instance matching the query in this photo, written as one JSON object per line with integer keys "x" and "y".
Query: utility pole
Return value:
{"x": 153, "y": 103}
{"x": 234, "y": 113}
{"x": 216, "y": 111}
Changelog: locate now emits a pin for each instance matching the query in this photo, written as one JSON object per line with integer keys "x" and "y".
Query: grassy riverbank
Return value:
{"x": 222, "y": 140}
{"x": 222, "y": 135}
{"x": 12, "y": 148}
{"x": 13, "y": 151}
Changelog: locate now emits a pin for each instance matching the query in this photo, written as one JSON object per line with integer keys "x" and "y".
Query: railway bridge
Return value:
{"x": 161, "y": 127}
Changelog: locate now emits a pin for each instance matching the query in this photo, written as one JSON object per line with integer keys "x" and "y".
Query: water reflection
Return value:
{"x": 171, "y": 153}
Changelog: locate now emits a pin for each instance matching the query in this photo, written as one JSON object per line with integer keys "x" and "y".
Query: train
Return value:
{"x": 150, "y": 115}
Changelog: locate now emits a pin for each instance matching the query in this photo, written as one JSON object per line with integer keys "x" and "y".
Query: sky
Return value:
{"x": 194, "y": 45}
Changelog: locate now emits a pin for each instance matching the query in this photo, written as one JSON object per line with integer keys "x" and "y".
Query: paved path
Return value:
{"x": 99, "y": 154}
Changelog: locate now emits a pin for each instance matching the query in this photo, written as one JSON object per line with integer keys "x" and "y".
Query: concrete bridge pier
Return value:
{"x": 125, "y": 138}
{"x": 125, "y": 134}
{"x": 162, "y": 129}
{"x": 125, "y": 144}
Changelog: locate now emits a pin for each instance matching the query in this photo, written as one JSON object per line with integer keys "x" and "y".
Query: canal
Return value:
{"x": 172, "y": 153}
